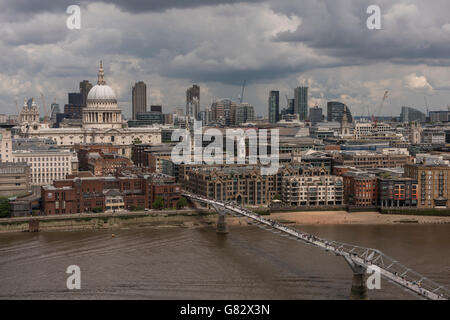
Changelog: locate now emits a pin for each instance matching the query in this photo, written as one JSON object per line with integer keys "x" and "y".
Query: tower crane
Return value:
{"x": 426, "y": 105}
{"x": 45, "y": 108}
{"x": 17, "y": 107}
{"x": 241, "y": 97}
{"x": 381, "y": 107}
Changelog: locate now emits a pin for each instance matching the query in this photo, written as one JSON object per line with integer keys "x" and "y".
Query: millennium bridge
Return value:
{"x": 360, "y": 259}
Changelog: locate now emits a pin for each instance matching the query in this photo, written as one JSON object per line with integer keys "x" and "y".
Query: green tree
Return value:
{"x": 158, "y": 204}
{"x": 4, "y": 207}
{"x": 97, "y": 210}
{"x": 182, "y": 203}
{"x": 277, "y": 197}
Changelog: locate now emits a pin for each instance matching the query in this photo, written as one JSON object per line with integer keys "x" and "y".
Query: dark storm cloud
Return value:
{"x": 411, "y": 30}
{"x": 27, "y": 7}
{"x": 161, "y": 5}
{"x": 272, "y": 44}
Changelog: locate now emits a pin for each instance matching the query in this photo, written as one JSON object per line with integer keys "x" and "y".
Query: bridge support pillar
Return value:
{"x": 359, "y": 285}
{"x": 222, "y": 226}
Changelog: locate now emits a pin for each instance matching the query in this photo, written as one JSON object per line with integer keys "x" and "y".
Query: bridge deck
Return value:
{"x": 390, "y": 269}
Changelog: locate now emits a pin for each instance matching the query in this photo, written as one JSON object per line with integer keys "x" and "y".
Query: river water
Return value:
{"x": 197, "y": 263}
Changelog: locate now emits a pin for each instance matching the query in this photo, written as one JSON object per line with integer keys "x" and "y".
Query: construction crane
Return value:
{"x": 241, "y": 97}
{"x": 17, "y": 107}
{"x": 374, "y": 120}
{"x": 426, "y": 105}
{"x": 45, "y": 108}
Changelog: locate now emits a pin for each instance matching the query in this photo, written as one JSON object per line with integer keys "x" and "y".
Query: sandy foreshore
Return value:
{"x": 343, "y": 217}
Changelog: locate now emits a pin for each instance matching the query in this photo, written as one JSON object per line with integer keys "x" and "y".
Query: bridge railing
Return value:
{"x": 363, "y": 256}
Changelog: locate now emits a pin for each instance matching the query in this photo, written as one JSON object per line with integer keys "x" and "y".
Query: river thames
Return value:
{"x": 197, "y": 263}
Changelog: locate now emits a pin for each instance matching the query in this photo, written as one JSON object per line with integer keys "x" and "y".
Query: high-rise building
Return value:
{"x": 290, "y": 107}
{"x": 193, "y": 101}
{"x": 335, "y": 111}
{"x": 75, "y": 98}
{"x": 74, "y": 108}
{"x": 274, "y": 106}
{"x": 301, "y": 102}
{"x": 244, "y": 113}
{"x": 410, "y": 114}
{"x": 223, "y": 111}
{"x": 139, "y": 97}
{"x": 85, "y": 86}
{"x": 54, "y": 111}
{"x": 315, "y": 115}
{"x": 439, "y": 116}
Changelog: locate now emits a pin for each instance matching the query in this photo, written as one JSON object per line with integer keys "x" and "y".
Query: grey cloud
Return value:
{"x": 338, "y": 28}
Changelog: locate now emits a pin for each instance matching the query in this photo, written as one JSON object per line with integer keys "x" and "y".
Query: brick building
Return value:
{"x": 87, "y": 193}
{"x": 241, "y": 183}
{"x": 360, "y": 189}
{"x": 432, "y": 184}
{"x": 83, "y": 150}
{"x": 104, "y": 164}
{"x": 151, "y": 156}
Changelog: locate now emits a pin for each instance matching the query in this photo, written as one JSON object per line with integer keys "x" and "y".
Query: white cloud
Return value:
{"x": 413, "y": 81}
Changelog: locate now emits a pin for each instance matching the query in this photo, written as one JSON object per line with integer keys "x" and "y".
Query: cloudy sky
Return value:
{"x": 272, "y": 44}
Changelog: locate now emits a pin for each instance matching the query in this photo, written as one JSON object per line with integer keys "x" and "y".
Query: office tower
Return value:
{"x": 274, "y": 106}
{"x": 74, "y": 108}
{"x": 290, "y": 107}
{"x": 85, "y": 86}
{"x": 409, "y": 114}
{"x": 193, "y": 101}
{"x": 75, "y": 98}
{"x": 301, "y": 102}
{"x": 54, "y": 111}
{"x": 139, "y": 98}
{"x": 335, "y": 111}
{"x": 244, "y": 113}
{"x": 315, "y": 115}
{"x": 223, "y": 111}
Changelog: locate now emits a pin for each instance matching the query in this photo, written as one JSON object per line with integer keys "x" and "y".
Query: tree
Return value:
{"x": 4, "y": 207}
{"x": 277, "y": 197}
{"x": 158, "y": 204}
{"x": 182, "y": 203}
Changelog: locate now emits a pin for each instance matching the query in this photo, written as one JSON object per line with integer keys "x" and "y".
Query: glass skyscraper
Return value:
{"x": 274, "y": 106}
{"x": 301, "y": 102}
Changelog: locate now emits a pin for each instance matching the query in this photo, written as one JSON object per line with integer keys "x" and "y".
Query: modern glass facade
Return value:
{"x": 335, "y": 112}
{"x": 274, "y": 106}
{"x": 301, "y": 102}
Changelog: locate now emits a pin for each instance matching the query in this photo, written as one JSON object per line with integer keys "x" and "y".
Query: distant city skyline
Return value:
{"x": 282, "y": 45}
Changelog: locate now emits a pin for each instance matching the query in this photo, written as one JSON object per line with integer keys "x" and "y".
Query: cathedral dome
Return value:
{"x": 101, "y": 93}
